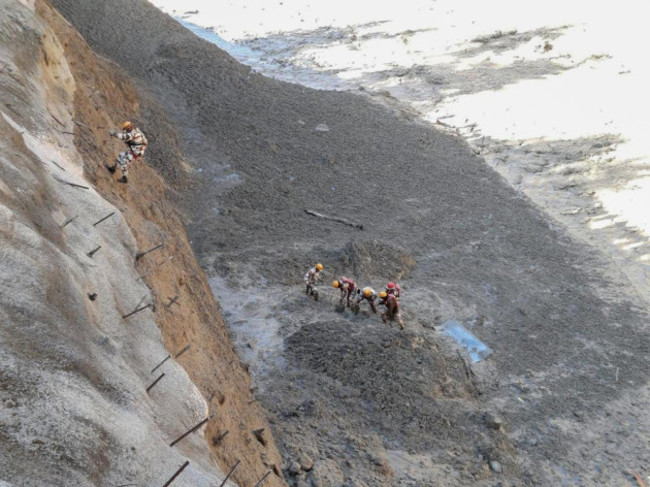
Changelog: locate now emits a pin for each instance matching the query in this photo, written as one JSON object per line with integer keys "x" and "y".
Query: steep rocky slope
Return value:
{"x": 372, "y": 405}
{"x": 73, "y": 371}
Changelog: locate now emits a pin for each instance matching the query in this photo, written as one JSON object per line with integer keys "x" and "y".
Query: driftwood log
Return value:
{"x": 334, "y": 219}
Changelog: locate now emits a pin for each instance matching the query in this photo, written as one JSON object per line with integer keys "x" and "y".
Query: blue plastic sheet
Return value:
{"x": 476, "y": 348}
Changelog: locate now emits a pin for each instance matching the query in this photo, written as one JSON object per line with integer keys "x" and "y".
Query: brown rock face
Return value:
{"x": 103, "y": 99}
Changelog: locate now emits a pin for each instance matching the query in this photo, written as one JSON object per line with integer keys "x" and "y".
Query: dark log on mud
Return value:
{"x": 334, "y": 219}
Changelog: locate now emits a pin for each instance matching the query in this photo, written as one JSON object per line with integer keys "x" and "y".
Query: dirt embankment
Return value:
{"x": 557, "y": 315}
{"x": 49, "y": 67}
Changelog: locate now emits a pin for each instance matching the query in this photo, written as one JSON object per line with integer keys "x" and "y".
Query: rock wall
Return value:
{"x": 73, "y": 372}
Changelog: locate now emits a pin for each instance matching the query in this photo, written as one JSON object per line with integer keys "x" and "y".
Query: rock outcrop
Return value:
{"x": 74, "y": 373}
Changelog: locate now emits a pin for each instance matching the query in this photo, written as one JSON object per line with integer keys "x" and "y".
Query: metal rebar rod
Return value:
{"x": 57, "y": 165}
{"x": 185, "y": 349}
{"x": 82, "y": 124}
{"x": 69, "y": 220}
{"x": 139, "y": 255}
{"x": 137, "y": 310}
{"x": 232, "y": 470}
{"x": 155, "y": 382}
{"x": 59, "y": 121}
{"x": 218, "y": 439}
{"x": 171, "y": 301}
{"x": 178, "y": 472}
{"x": 93, "y": 251}
{"x": 141, "y": 301}
{"x": 263, "y": 479}
{"x": 72, "y": 184}
{"x": 160, "y": 364}
{"x": 106, "y": 217}
{"x": 191, "y": 430}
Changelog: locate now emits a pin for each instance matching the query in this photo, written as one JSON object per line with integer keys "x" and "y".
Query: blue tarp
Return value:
{"x": 476, "y": 348}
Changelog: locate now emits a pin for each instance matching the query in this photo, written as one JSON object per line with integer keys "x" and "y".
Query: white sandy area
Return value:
{"x": 565, "y": 124}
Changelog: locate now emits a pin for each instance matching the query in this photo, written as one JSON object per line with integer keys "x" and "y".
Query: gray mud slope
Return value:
{"x": 560, "y": 320}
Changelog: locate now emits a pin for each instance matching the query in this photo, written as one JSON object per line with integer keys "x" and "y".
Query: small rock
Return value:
{"x": 495, "y": 466}
{"x": 321, "y": 127}
{"x": 532, "y": 441}
{"x": 306, "y": 462}
{"x": 492, "y": 421}
{"x": 294, "y": 468}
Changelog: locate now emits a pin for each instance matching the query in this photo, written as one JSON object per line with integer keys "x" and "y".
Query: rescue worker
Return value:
{"x": 368, "y": 294}
{"x": 392, "y": 288}
{"x": 391, "y": 313}
{"x": 347, "y": 287}
{"x": 311, "y": 278}
{"x": 136, "y": 145}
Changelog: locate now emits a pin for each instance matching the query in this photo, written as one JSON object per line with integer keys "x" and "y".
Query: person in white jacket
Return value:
{"x": 136, "y": 143}
{"x": 311, "y": 278}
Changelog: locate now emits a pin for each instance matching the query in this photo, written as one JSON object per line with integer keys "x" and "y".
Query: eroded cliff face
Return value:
{"x": 73, "y": 371}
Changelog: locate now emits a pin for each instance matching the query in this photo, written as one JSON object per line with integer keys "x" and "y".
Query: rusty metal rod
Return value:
{"x": 106, "y": 217}
{"x": 263, "y": 479}
{"x": 57, "y": 165}
{"x": 137, "y": 310}
{"x": 160, "y": 364}
{"x": 232, "y": 470}
{"x": 72, "y": 184}
{"x": 178, "y": 472}
{"x": 171, "y": 301}
{"x": 218, "y": 439}
{"x": 155, "y": 382}
{"x": 93, "y": 251}
{"x": 191, "y": 430}
{"x": 59, "y": 121}
{"x": 139, "y": 255}
{"x": 69, "y": 220}
{"x": 82, "y": 124}
{"x": 185, "y": 349}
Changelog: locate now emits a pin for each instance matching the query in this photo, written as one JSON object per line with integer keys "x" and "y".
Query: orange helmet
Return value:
{"x": 336, "y": 284}
{"x": 383, "y": 294}
{"x": 319, "y": 267}
{"x": 127, "y": 126}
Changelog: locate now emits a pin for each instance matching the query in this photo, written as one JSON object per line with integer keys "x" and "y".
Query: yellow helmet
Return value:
{"x": 336, "y": 284}
{"x": 383, "y": 294}
{"x": 319, "y": 267}
{"x": 367, "y": 292}
{"x": 127, "y": 126}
